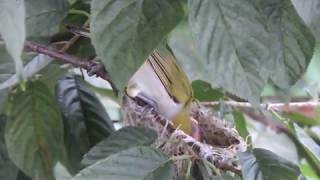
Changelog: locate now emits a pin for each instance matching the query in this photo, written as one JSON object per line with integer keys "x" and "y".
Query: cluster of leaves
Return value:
{"x": 237, "y": 45}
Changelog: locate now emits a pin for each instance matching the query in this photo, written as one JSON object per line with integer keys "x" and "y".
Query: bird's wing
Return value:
{"x": 171, "y": 75}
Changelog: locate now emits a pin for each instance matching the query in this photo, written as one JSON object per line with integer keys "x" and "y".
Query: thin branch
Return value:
{"x": 75, "y": 37}
{"x": 91, "y": 66}
{"x": 248, "y": 109}
{"x": 78, "y": 31}
{"x": 267, "y": 106}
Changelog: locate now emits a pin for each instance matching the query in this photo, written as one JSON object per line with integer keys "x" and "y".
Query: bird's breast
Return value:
{"x": 146, "y": 81}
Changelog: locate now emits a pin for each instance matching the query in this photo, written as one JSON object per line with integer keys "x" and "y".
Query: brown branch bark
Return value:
{"x": 92, "y": 67}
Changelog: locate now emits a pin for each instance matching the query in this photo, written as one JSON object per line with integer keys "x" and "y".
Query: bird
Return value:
{"x": 161, "y": 83}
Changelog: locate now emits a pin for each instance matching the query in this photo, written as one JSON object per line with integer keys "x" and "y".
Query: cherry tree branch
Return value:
{"x": 92, "y": 67}
{"x": 267, "y": 106}
{"x": 249, "y": 110}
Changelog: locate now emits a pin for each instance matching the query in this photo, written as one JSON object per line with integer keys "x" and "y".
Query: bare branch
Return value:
{"x": 91, "y": 66}
{"x": 267, "y": 106}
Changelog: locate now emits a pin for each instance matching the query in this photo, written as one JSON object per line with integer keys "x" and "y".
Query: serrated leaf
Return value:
{"x": 61, "y": 173}
{"x": 120, "y": 140}
{"x": 8, "y": 170}
{"x": 183, "y": 47}
{"x": 301, "y": 118}
{"x": 310, "y": 12}
{"x": 51, "y": 73}
{"x": 241, "y": 125}
{"x": 125, "y": 32}
{"x": 292, "y": 43}
{"x": 34, "y": 132}
{"x": 244, "y": 43}
{"x": 85, "y": 119}
{"x": 3, "y": 97}
{"x": 138, "y": 163}
{"x": 43, "y": 17}
{"x": 203, "y": 91}
{"x": 312, "y": 148}
{"x": 22, "y": 176}
{"x": 262, "y": 164}
{"x": 12, "y": 29}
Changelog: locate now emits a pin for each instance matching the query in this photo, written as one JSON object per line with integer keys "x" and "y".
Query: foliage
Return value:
{"x": 263, "y": 164}
{"x": 122, "y": 139}
{"x": 54, "y": 125}
{"x": 34, "y": 132}
{"x": 85, "y": 120}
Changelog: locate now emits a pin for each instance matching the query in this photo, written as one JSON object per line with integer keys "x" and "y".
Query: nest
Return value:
{"x": 220, "y": 145}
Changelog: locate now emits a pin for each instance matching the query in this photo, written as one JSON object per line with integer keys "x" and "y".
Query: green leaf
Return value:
{"x": 241, "y": 125}
{"x": 183, "y": 47}
{"x": 310, "y": 146}
{"x": 307, "y": 170}
{"x": 22, "y": 176}
{"x": 86, "y": 121}
{"x": 8, "y": 170}
{"x": 6, "y": 64}
{"x": 61, "y": 173}
{"x": 43, "y": 17}
{"x": 292, "y": 42}
{"x": 261, "y": 164}
{"x": 125, "y": 32}
{"x": 82, "y": 48}
{"x": 314, "y": 132}
{"x": 300, "y": 118}
{"x": 120, "y": 140}
{"x": 78, "y": 13}
{"x": 138, "y": 163}
{"x": 310, "y": 13}
{"x": 12, "y": 29}
{"x": 51, "y": 73}
{"x": 203, "y": 91}
{"x": 34, "y": 132}
{"x": 3, "y": 97}
{"x": 204, "y": 171}
{"x": 244, "y": 43}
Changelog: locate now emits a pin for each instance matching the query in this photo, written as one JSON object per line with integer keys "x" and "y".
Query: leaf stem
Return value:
{"x": 79, "y": 12}
{"x": 182, "y": 157}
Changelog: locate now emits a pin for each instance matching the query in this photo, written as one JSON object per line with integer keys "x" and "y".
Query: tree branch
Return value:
{"x": 248, "y": 109}
{"x": 267, "y": 106}
{"x": 91, "y": 66}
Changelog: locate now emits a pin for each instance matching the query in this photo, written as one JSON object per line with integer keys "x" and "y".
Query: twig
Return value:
{"x": 91, "y": 66}
{"x": 268, "y": 106}
{"x": 78, "y": 31}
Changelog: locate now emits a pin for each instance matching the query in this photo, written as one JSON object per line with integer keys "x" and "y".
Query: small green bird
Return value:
{"x": 162, "y": 83}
